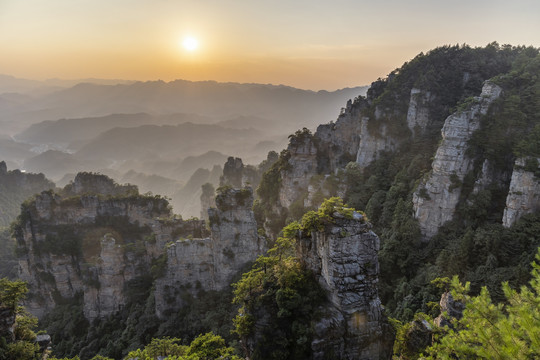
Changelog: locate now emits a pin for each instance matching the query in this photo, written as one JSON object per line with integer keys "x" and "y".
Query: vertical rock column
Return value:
{"x": 344, "y": 260}
{"x": 524, "y": 194}
{"x": 436, "y": 198}
{"x": 235, "y": 241}
{"x": 211, "y": 263}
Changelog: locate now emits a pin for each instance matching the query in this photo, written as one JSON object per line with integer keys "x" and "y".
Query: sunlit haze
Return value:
{"x": 306, "y": 44}
{"x": 190, "y": 44}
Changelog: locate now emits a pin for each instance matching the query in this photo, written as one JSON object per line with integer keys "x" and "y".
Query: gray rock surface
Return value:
{"x": 211, "y": 263}
{"x": 436, "y": 197}
{"x": 370, "y": 145}
{"x": 344, "y": 260}
{"x": 302, "y": 165}
{"x": 450, "y": 309}
{"x": 523, "y": 195}
{"x": 232, "y": 173}
{"x": 120, "y": 238}
{"x": 418, "y": 112}
{"x": 93, "y": 245}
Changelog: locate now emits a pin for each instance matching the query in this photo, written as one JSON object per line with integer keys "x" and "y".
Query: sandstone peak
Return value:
{"x": 232, "y": 172}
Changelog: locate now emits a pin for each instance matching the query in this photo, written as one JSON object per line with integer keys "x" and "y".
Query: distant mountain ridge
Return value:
{"x": 69, "y": 131}
{"x": 207, "y": 98}
{"x": 11, "y": 84}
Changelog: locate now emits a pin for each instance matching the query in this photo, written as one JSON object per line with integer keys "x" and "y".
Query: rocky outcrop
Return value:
{"x": 232, "y": 173}
{"x": 97, "y": 247}
{"x": 301, "y": 166}
{"x": 491, "y": 176}
{"x": 371, "y": 145}
{"x": 524, "y": 193}
{"x": 339, "y": 141}
{"x": 208, "y": 199}
{"x": 450, "y": 309}
{"x": 344, "y": 260}
{"x": 238, "y": 175}
{"x": 350, "y": 139}
{"x": 211, "y": 263}
{"x": 323, "y": 187}
{"x": 92, "y": 246}
{"x": 418, "y": 111}
{"x": 436, "y": 197}
{"x": 418, "y": 337}
{"x": 233, "y": 231}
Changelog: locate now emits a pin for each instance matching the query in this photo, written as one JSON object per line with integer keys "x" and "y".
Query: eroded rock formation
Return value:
{"x": 344, "y": 260}
{"x": 98, "y": 246}
{"x": 436, "y": 198}
{"x": 524, "y": 193}
{"x": 211, "y": 263}
{"x": 301, "y": 166}
{"x": 418, "y": 112}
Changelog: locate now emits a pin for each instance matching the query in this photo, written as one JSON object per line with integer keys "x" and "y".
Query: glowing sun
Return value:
{"x": 190, "y": 43}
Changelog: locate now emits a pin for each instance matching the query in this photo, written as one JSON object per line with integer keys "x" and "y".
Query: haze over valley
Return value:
{"x": 269, "y": 180}
{"x": 163, "y": 132}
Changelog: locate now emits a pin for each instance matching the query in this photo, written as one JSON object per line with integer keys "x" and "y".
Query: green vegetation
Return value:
{"x": 486, "y": 329}
{"x": 268, "y": 194}
{"x": 15, "y": 188}
{"x": 204, "y": 347}
{"x": 21, "y": 345}
{"x": 281, "y": 291}
{"x": 474, "y": 245}
{"x": 278, "y": 298}
{"x": 137, "y": 324}
{"x": 450, "y": 74}
{"x": 511, "y": 126}
{"x": 8, "y": 262}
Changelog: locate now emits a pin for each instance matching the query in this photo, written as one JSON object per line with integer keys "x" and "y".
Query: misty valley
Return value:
{"x": 219, "y": 220}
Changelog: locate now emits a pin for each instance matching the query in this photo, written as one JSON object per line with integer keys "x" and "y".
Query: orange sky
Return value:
{"x": 307, "y": 44}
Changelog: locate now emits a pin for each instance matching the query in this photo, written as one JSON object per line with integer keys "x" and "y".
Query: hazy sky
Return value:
{"x": 309, "y": 44}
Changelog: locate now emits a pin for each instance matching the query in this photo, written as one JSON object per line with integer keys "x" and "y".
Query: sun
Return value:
{"x": 190, "y": 43}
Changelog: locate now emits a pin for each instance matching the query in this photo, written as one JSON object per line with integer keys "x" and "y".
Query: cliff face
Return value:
{"x": 238, "y": 175}
{"x": 99, "y": 247}
{"x": 344, "y": 260}
{"x": 524, "y": 193}
{"x": 436, "y": 198}
{"x": 301, "y": 166}
{"x": 350, "y": 139}
{"x": 92, "y": 245}
{"x": 211, "y": 263}
{"x": 340, "y": 141}
{"x": 418, "y": 112}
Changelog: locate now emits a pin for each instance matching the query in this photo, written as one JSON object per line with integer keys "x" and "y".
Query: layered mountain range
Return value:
{"x": 168, "y": 129}
{"x": 443, "y": 156}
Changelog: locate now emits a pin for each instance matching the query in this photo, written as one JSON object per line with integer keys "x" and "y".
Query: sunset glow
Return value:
{"x": 190, "y": 44}
{"x": 315, "y": 45}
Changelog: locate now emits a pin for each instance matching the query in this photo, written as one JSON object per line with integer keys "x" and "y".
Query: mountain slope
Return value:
{"x": 385, "y": 150}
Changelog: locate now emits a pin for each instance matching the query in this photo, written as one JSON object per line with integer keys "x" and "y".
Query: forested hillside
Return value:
{"x": 383, "y": 150}
{"x": 15, "y": 188}
{"x": 441, "y": 161}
